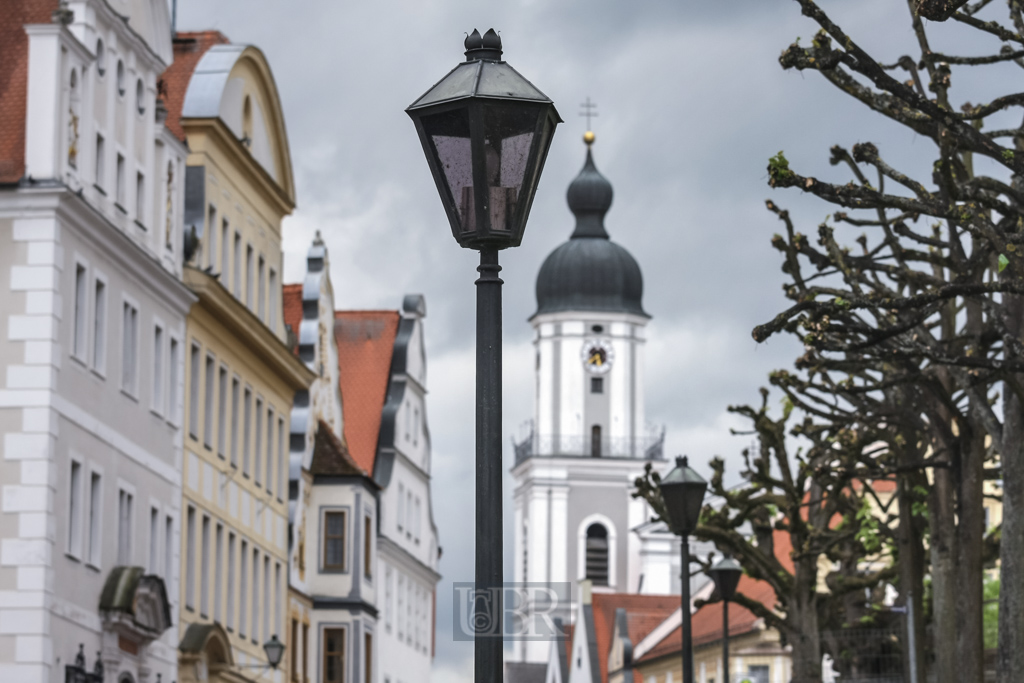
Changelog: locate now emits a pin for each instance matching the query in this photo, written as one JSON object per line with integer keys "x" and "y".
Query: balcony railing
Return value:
{"x": 650, "y": 447}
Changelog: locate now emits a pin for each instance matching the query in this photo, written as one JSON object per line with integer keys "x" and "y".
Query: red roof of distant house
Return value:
{"x": 643, "y": 614}
{"x": 189, "y": 48}
{"x": 366, "y": 342}
{"x": 14, "y": 80}
{"x": 292, "y": 309}
{"x": 707, "y": 621}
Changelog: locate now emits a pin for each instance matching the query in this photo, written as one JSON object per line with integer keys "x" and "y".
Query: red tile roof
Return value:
{"x": 707, "y": 621}
{"x": 331, "y": 457}
{"x": 366, "y": 342}
{"x": 292, "y": 307}
{"x": 189, "y": 48}
{"x": 643, "y": 614}
{"x": 14, "y": 14}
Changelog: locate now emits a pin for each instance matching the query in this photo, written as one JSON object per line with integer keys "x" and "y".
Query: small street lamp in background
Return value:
{"x": 683, "y": 490}
{"x": 486, "y": 131}
{"x": 274, "y": 649}
{"x": 726, "y": 575}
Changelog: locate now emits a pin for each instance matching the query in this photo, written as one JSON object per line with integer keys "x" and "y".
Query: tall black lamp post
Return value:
{"x": 683, "y": 490}
{"x": 486, "y": 131}
{"x": 726, "y": 575}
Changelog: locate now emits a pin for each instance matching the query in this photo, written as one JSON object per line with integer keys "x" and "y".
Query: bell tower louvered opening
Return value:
{"x": 597, "y": 554}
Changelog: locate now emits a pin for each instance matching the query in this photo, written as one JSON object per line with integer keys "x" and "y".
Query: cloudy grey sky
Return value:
{"x": 692, "y": 103}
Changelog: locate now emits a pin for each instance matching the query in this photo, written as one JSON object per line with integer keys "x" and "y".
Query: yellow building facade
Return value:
{"x": 240, "y": 377}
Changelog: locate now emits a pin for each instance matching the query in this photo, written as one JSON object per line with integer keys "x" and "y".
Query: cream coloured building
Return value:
{"x": 241, "y": 378}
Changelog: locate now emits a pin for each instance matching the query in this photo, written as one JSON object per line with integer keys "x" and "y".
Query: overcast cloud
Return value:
{"x": 692, "y": 104}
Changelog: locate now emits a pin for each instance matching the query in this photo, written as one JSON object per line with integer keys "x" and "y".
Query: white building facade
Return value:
{"x": 93, "y": 313}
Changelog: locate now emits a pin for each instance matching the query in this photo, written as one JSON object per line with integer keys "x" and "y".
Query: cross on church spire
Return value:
{"x": 589, "y": 110}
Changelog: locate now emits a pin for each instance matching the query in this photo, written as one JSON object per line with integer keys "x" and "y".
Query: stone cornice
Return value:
{"x": 402, "y": 557}
{"x": 256, "y": 336}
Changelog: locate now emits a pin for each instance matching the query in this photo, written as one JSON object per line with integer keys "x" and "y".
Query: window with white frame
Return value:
{"x": 94, "y": 551}
{"x": 190, "y": 558}
{"x": 236, "y": 273}
{"x": 208, "y": 400}
{"x": 225, "y": 250}
{"x": 79, "y": 342}
{"x": 401, "y": 505}
{"x": 266, "y": 598}
{"x": 249, "y": 265}
{"x": 254, "y": 632}
{"x": 129, "y": 347}
{"x": 101, "y": 155}
{"x": 125, "y": 519}
{"x": 193, "y": 390}
{"x": 416, "y": 520}
{"x": 230, "y": 598}
{"x": 261, "y": 292}
{"x": 235, "y": 409}
{"x": 172, "y": 381}
{"x": 218, "y": 571}
{"x": 274, "y": 298}
{"x": 222, "y": 412}
{"x": 140, "y": 198}
{"x": 246, "y": 429}
{"x": 168, "y": 549}
{"x": 119, "y": 188}
{"x": 243, "y": 583}
{"x": 204, "y": 568}
{"x": 282, "y": 460}
{"x": 257, "y": 452}
{"x": 154, "y": 540}
{"x": 387, "y": 598}
{"x": 408, "y": 513}
{"x": 99, "y": 326}
{"x": 158, "y": 369}
{"x": 270, "y": 451}
{"x": 211, "y": 239}
{"x": 401, "y": 606}
{"x": 75, "y": 510}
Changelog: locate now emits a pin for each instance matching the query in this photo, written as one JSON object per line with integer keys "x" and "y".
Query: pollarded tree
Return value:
{"x": 823, "y": 499}
{"x": 918, "y": 321}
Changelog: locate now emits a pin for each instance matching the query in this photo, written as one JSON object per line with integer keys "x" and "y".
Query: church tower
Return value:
{"x": 588, "y": 439}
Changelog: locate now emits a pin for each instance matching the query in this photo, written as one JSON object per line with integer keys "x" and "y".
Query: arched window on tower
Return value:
{"x": 597, "y": 554}
{"x": 595, "y": 441}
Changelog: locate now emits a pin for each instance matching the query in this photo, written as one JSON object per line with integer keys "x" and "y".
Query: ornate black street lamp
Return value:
{"x": 274, "y": 649}
{"x": 726, "y": 575}
{"x": 683, "y": 490}
{"x": 486, "y": 131}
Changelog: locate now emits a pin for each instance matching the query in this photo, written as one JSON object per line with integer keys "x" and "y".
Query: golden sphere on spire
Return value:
{"x": 588, "y": 137}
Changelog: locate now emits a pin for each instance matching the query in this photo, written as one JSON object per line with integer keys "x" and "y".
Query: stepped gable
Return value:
{"x": 366, "y": 343}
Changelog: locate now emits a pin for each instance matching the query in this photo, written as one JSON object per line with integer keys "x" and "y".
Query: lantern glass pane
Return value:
{"x": 508, "y": 138}
{"x": 449, "y": 137}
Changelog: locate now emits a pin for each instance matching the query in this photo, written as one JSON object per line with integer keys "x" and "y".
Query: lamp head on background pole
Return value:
{"x": 486, "y": 132}
{"x": 274, "y": 649}
{"x": 683, "y": 490}
{"x": 726, "y": 575}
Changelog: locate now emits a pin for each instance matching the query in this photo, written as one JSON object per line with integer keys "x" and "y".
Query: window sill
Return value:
{"x": 141, "y": 226}
{"x": 99, "y": 373}
{"x": 78, "y": 359}
{"x": 99, "y": 189}
{"x": 95, "y": 568}
{"x": 121, "y": 208}
{"x": 127, "y": 393}
{"x": 157, "y": 413}
{"x": 74, "y": 558}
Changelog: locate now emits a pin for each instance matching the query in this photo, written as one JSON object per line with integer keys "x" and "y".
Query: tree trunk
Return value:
{"x": 1011, "y": 552}
{"x": 944, "y": 584}
{"x": 911, "y": 564}
{"x": 807, "y": 645}
{"x": 970, "y": 548}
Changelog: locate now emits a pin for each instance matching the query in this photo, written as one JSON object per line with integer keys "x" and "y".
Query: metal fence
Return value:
{"x": 641, "y": 447}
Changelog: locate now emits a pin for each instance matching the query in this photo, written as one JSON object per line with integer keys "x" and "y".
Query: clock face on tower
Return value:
{"x": 597, "y": 355}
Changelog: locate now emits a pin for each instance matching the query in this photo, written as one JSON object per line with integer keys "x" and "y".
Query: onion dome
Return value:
{"x": 590, "y": 272}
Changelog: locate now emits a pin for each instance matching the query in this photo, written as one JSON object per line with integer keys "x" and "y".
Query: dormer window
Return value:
{"x": 247, "y": 122}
